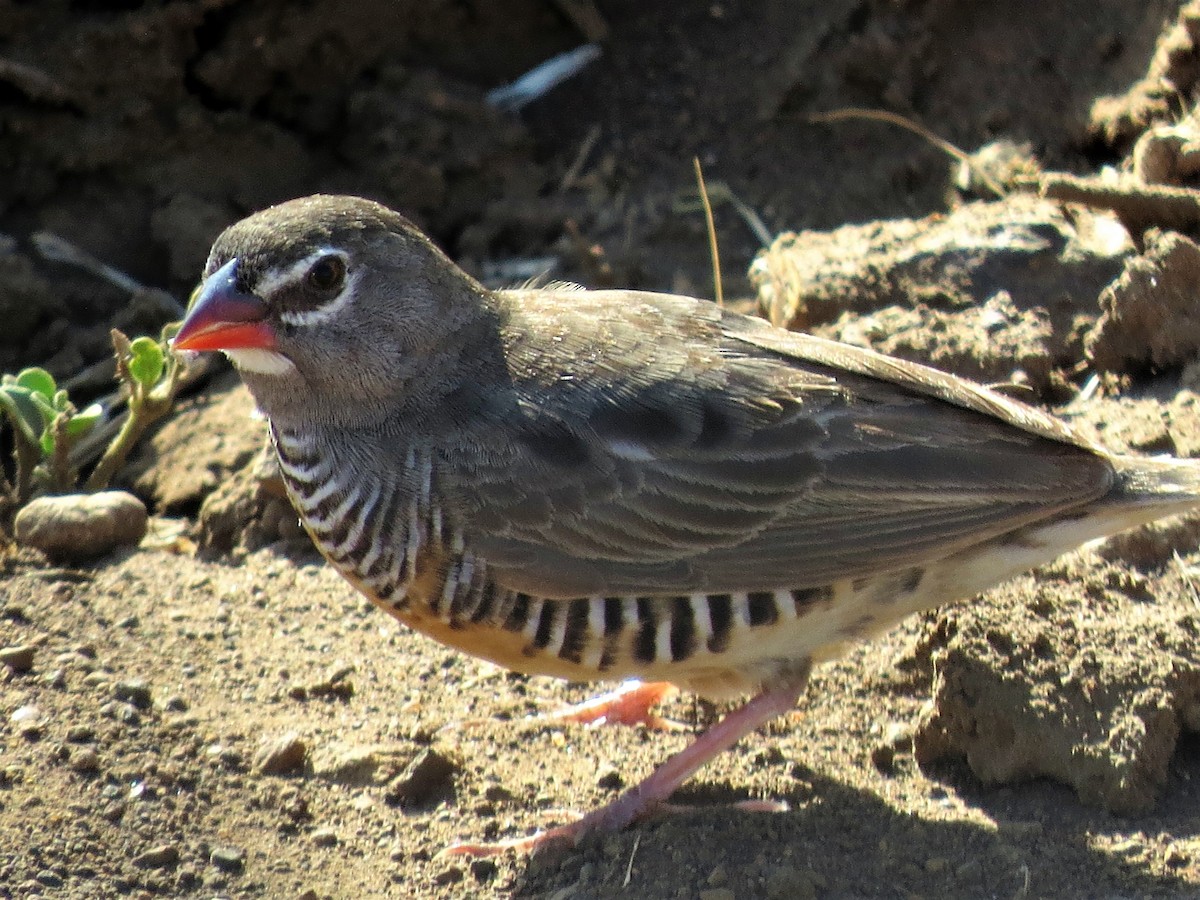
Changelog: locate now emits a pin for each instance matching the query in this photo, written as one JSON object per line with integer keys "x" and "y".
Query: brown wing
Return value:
{"x": 682, "y": 449}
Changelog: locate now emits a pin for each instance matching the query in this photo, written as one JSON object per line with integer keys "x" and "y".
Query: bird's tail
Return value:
{"x": 1150, "y": 488}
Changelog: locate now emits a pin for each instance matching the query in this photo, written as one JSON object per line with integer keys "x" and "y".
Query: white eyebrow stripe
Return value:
{"x": 274, "y": 281}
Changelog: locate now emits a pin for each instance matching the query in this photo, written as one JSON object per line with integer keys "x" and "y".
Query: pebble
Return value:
{"x": 717, "y": 894}
{"x": 883, "y": 757}
{"x": 28, "y": 720}
{"x": 497, "y": 793}
{"x": 78, "y": 527}
{"x": 19, "y": 658}
{"x": 159, "y": 857}
{"x": 49, "y": 879}
{"x": 135, "y": 691}
{"x": 325, "y": 837}
{"x": 484, "y": 870}
{"x": 610, "y": 779}
{"x": 81, "y": 734}
{"x": 425, "y": 775}
{"x": 228, "y": 859}
{"x": 448, "y": 875}
{"x": 85, "y": 761}
{"x": 282, "y": 755}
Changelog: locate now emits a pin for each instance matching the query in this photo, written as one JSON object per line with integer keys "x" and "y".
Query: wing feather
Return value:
{"x": 731, "y": 456}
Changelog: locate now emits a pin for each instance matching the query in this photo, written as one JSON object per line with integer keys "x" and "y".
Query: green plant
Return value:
{"x": 47, "y": 426}
{"x": 150, "y": 375}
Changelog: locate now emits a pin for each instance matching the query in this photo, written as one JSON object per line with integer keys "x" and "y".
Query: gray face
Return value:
{"x": 357, "y": 301}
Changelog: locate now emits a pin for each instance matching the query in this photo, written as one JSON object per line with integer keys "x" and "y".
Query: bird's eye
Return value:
{"x": 327, "y": 273}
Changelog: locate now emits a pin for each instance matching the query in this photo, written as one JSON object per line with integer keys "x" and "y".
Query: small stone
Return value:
{"x": 883, "y": 758}
{"x": 28, "y": 721}
{"x": 176, "y": 703}
{"x": 717, "y": 894}
{"x": 325, "y": 837}
{"x": 425, "y": 775}
{"x": 135, "y": 691}
{"x": 81, "y": 734}
{"x": 228, "y": 859}
{"x": 78, "y": 527}
{"x": 19, "y": 658}
{"x": 282, "y": 755}
{"x": 448, "y": 875}
{"x": 496, "y": 793}
{"x": 484, "y": 870}
{"x": 610, "y": 779}
{"x": 49, "y": 879}
{"x": 160, "y": 857}
{"x": 85, "y": 761}
{"x": 335, "y": 684}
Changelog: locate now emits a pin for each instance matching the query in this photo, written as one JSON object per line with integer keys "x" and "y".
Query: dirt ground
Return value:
{"x": 216, "y": 714}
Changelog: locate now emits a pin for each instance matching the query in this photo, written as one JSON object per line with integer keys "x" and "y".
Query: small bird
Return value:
{"x": 608, "y": 485}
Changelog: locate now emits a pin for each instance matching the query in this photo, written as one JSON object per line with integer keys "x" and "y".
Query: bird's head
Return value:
{"x": 333, "y": 309}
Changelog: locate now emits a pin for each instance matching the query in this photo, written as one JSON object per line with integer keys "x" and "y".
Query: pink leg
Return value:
{"x": 651, "y": 793}
{"x": 628, "y": 704}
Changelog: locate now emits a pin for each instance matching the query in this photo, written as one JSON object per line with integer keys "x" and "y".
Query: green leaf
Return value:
{"x": 45, "y": 406}
{"x": 83, "y": 422}
{"x": 61, "y": 401}
{"x": 17, "y": 402}
{"x": 47, "y": 442}
{"x": 146, "y": 361}
{"x": 37, "y": 380}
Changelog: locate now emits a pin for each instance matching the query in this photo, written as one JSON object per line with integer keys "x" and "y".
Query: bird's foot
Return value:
{"x": 649, "y": 796}
{"x": 629, "y": 704}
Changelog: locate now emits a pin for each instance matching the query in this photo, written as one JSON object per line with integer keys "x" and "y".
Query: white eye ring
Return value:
{"x": 298, "y": 273}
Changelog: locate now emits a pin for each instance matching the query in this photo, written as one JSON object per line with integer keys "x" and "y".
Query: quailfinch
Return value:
{"x": 619, "y": 484}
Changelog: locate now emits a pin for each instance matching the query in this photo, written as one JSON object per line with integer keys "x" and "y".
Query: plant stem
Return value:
{"x": 145, "y": 408}
{"x": 27, "y": 456}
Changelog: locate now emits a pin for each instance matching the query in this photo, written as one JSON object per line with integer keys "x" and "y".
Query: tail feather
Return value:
{"x": 1160, "y": 486}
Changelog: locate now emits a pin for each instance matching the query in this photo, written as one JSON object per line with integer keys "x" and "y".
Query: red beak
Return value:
{"x": 225, "y": 317}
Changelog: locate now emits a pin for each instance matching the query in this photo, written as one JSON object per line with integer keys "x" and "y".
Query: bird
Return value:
{"x": 603, "y": 485}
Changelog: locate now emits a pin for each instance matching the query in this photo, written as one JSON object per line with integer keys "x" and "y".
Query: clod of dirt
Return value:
{"x": 1021, "y": 690}
{"x": 197, "y": 449}
{"x": 282, "y": 755}
{"x": 79, "y": 527}
{"x": 427, "y": 774}
{"x": 18, "y": 658}
{"x": 993, "y": 291}
{"x": 1173, "y": 72}
{"x": 1149, "y": 318}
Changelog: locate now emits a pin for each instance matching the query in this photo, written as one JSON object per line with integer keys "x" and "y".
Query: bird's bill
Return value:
{"x": 225, "y": 317}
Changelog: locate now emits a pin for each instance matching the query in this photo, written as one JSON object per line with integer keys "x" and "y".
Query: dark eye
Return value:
{"x": 327, "y": 273}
